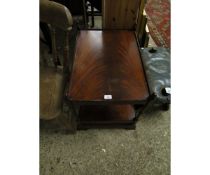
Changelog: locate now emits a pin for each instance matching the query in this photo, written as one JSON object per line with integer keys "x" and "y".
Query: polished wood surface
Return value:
{"x": 107, "y": 63}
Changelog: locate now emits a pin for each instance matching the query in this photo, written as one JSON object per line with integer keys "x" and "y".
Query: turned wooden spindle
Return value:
{"x": 54, "y": 49}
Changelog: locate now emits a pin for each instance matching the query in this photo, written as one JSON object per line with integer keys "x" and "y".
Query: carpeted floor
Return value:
{"x": 144, "y": 151}
{"x": 158, "y": 13}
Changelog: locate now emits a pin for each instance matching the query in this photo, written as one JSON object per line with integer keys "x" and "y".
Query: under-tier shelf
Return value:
{"x": 104, "y": 115}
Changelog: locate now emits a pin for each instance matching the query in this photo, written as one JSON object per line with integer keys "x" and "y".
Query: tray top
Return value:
{"x": 107, "y": 67}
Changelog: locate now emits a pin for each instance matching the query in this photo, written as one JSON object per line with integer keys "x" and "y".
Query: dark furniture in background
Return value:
{"x": 80, "y": 8}
{"x": 117, "y": 14}
{"x": 74, "y": 6}
{"x": 46, "y": 33}
{"x": 96, "y": 10}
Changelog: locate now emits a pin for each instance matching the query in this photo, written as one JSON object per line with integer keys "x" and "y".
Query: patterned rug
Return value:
{"x": 158, "y": 14}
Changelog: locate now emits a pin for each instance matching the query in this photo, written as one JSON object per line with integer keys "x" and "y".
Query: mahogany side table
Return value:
{"x": 107, "y": 86}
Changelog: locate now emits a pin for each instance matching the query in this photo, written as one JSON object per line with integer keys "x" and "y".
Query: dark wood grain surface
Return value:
{"x": 107, "y": 63}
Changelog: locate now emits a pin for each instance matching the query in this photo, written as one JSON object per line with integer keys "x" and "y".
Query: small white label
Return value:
{"x": 107, "y": 97}
{"x": 168, "y": 90}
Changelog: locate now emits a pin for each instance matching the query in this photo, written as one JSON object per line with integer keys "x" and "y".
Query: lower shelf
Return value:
{"x": 100, "y": 116}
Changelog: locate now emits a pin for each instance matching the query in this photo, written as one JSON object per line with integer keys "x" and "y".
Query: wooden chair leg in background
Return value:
{"x": 54, "y": 49}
